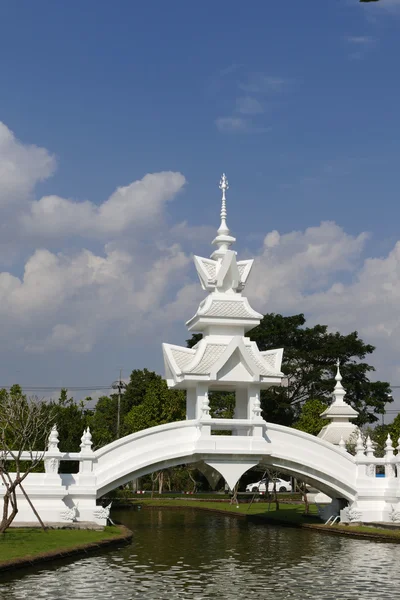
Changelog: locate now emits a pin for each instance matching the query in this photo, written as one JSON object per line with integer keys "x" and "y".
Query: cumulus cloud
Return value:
{"x": 321, "y": 272}
{"x": 135, "y": 205}
{"x": 21, "y": 167}
{"x": 116, "y": 289}
{"x": 69, "y": 302}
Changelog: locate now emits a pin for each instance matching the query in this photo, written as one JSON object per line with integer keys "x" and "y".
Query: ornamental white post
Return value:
{"x": 370, "y": 454}
{"x": 86, "y": 455}
{"x": 52, "y": 456}
{"x": 389, "y": 456}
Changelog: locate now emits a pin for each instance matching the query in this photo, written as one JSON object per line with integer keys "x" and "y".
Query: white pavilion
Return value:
{"x": 224, "y": 359}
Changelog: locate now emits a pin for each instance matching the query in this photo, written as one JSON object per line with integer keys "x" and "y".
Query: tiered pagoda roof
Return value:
{"x": 224, "y": 354}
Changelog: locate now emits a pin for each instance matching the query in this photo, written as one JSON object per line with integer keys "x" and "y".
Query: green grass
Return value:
{"x": 288, "y": 512}
{"x": 27, "y": 543}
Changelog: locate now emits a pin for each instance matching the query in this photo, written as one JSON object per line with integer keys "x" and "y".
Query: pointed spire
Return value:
{"x": 223, "y": 240}
{"x": 339, "y": 392}
{"x": 360, "y": 445}
{"x": 389, "y": 451}
{"x": 342, "y": 443}
{"x": 223, "y": 186}
{"x": 369, "y": 447}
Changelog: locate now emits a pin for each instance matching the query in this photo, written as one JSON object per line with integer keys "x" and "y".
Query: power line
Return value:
{"x": 70, "y": 388}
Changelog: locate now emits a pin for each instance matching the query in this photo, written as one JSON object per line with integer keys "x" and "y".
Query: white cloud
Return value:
{"x": 69, "y": 302}
{"x": 360, "y": 40}
{"x": 239, "y": 125}
{"x": 360, "y": 45}
{"x": 232, "y": 124}
{"x": 260, "y": 83}
{"x": 247, "y": 105}
{"x": 21, "y": 167}
{"x": 135, "y": 205}
{"x": 134, "y": 286}
{"x": 303, "y": 272}
{"x": 294, "y": 265}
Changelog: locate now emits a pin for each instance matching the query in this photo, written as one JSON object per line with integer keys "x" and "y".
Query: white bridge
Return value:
{"x": 224, "y": 359}
{"x": 331, "y": 469}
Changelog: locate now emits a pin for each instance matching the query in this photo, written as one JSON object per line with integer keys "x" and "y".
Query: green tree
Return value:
{"x": 71, "y": 419}
{"x": 160, "y": 405}
{"x": 309, "y": 359}
{"x": 103, "y": 421}
{"x": 310, "y": 420}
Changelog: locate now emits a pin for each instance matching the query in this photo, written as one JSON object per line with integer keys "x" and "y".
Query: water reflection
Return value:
{"x": 193, "y": 555}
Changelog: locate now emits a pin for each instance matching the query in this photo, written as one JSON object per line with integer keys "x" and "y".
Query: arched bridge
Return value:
{"x": 251, "y": 443}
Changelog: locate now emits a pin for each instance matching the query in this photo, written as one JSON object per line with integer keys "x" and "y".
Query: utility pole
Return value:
{"x": 119, "y": 385}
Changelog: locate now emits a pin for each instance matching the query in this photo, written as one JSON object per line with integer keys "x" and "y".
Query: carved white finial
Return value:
{"x": 205, "y": 409}
{"x": 360, "y": 445}
{"x": 53, "y": 438}
{"x": 339, "y": 392}
{"x": 389, "y": 446}
{"x": 223, "y": 186}
{"x": 224, "y": 239}
{"x": 369, "y": 447}
{"x": 338, "y": 373}
{"x": 86, "y": 439}
{"x": 257, "y": 407}
{"x": 342, "y": 443}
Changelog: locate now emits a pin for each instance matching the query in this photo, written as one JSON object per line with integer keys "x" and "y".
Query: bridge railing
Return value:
{"x": 369, "y": 465}
{"x": 53, "y": 456}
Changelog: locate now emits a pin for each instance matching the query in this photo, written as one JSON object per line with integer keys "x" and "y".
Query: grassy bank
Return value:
{"x": 288, "y": 515}
{"x": 27, "y": 546}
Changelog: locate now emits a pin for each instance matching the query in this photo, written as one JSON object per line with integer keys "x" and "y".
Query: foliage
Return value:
{"x": 136, "y": 390}
{"x": 71, "y": 419}
{"x": 160, "y": 405}
{"x": 103, "y": 421}
{"x": 309, "y": 362}
{"x": 309, "y": 419}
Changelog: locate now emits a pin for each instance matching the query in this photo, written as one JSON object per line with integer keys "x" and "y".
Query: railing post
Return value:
{"x": 257, "y": 428}
{"x": 370, "y": 454}
{"x": 52, "y": 456}
{"x": 87, "y": 455}
{"x": 360, "y": 457}
{"x": 205, "y": 415}
{"x": 389, "y": 456}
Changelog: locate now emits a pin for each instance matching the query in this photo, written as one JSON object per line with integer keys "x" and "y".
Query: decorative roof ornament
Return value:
{"x": 53, "y": 439}
{"x": 223, "y": 240}
{"x": 224, "y": 354}
{"x": 340, "y": 414}
{"x": 339, "y": 392}
{"x": 223, "y": 186}
{"x": 86, "y": 440}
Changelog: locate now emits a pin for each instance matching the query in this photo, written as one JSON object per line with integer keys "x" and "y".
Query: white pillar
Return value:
{"x": 201, "y": 393}
{"x": 191, "y": 403}
{"x": 253, "y": 393}
{"x": 241, "y": 401}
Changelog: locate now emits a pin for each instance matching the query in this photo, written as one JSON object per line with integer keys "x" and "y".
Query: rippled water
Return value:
{"x": 194, "y": 555}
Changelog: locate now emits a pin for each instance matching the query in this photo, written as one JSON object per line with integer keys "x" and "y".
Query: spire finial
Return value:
{"x": 223, "y": 186}
{"x": 338, "y": 373}
{"x": 224, "y": 239}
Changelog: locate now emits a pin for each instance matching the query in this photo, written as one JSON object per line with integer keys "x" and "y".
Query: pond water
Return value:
{"x": 197, "y": 555}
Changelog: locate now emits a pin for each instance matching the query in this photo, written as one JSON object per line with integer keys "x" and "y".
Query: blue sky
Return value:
{"x": 297, "y": 102}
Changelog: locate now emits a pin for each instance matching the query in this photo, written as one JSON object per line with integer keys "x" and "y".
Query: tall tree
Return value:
{"x": 160, "y": 405}
{"x": 309, "y": 358}
{"x": 310, "y": 419}
{"x": 310, "y": 355}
